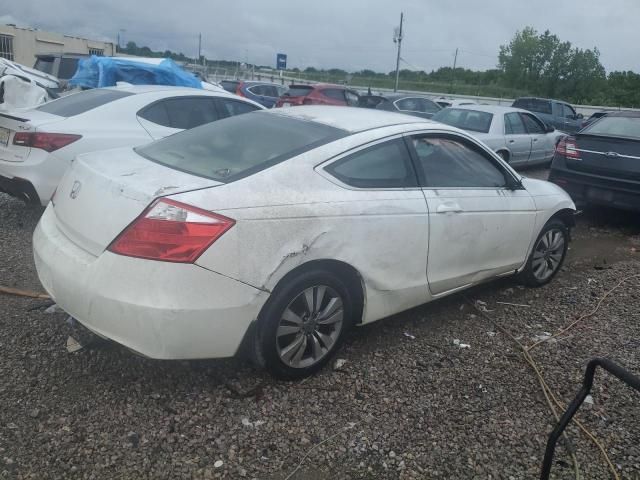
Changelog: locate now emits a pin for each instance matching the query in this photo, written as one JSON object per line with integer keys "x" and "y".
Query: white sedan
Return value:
{"x": 518, "y": 136}
{"x": 37, "y": 145}
{"x": 279, "y": 241}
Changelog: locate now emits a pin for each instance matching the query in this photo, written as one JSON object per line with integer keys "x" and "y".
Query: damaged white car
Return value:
{"x": 278, "y": 230}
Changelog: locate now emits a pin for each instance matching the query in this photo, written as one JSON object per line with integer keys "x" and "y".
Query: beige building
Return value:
{"x": 21, "y": 45}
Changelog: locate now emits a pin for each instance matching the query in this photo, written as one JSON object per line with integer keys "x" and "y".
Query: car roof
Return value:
{"x": 397, "y": 96}
{"x": 350, "y": 119}
{"x": 630, "y": 114}
{"x": 138, "y": 89}
{"x": 496, "y": 109}
{"x": 318, "y": 85}
{"x": 253, "y": 83}
{"x": 543, "y": 99}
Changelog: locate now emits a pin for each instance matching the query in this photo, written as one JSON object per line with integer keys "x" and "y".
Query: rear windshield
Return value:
{"x": 68, "y": 67}
{"x": 533, "y": 105}
{"x": 223, "y": 151}
{"x": 473, "y": 120}
{"x": 82, "y": 102}
{"x": 298, "y": 91}
{"x": 624, "y": 127}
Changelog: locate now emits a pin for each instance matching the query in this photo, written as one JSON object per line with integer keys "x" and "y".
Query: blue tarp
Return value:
{"x": 96, "y": 72}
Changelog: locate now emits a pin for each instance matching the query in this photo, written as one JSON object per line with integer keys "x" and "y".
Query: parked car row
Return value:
{"x": 219, "y": 226}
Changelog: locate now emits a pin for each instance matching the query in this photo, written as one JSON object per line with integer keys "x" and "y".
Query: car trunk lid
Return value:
{"x": 607, "y": 156}
{"x": 103, "y": 192}
{"x": 20, "y": 121}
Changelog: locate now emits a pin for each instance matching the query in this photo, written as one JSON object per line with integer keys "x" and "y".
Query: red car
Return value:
{"x": 318, "y": 94}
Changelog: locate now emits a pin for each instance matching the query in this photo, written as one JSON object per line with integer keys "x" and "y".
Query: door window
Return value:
{"x": 409, "y": 105}
{"x": 513, "y": 124}
{"x": 182, "y": 113}
{"x": 233, "y": 107}
{"x": 449, "y": 162}
{"x": 386, "y": 165}
{"x": 534, "y": 127}
{"x": 568, "y": 112}
{"x": 334, "y": 93}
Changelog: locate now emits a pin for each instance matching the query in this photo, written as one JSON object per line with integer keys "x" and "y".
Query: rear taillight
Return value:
{"x": 239, "y": 91}
{"x": 49, "y": 142}
{"x": 171, "y": 231}
{"x": 308, "y": 101}
{"x": 567, "y": 148}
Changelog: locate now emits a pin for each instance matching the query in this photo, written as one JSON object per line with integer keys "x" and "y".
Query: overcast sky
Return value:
{"x": 348, "y": 34}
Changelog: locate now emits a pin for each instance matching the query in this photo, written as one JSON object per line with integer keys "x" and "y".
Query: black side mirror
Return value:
{"x": 579, "y": 116}
{"x": 513, "y": 183}
{"x": 549, "y": 128}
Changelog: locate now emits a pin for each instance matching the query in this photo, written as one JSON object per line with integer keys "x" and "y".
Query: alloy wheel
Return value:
{"x": 310, "y": 326}
{"x": 547, "y": 254}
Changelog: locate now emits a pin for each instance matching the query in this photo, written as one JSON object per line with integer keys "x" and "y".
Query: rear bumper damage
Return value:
{"x": 158, "y": 309}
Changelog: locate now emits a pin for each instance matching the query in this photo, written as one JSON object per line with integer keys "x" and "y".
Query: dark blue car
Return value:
{"x": 264, "y": 93}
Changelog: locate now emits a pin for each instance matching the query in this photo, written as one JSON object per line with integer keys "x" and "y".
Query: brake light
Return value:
{"x": 567, "y": 148}
{"x": 171, "y": 231}
{"x": 239, "y": 91}
{"x": 49, "y": 142}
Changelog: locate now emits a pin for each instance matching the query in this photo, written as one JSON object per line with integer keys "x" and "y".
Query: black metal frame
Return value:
{"x": 614, "y": 369}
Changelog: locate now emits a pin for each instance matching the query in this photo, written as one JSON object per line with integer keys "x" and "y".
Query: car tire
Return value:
{"x": 548, "y": 254}
{"x": 303, "y": 324}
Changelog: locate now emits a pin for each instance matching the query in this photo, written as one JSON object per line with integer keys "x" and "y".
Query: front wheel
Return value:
{"x": 303, "y": 324}
{"x": 548, "y": 254}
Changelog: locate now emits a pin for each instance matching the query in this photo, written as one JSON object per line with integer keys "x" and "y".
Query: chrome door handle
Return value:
{"x": 512, "y": 141}
{"x": 535, "y": 139}
{"x": 449, "y": 207}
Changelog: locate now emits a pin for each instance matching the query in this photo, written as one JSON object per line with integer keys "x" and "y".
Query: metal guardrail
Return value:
{"x": 611, "y": 367}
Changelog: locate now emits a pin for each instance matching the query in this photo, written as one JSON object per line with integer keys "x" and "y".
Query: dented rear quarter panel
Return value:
{"x": 289, "y": 215}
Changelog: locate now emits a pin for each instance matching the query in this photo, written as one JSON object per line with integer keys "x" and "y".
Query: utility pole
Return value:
{"x": 199, "y": 48}
{"x": 397, "y": 38}
{"x": 453, "y": 73}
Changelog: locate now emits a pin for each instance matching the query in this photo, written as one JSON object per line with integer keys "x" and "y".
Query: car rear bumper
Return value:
{"x": 587, "y": 189}
{"x": 161, "y": 310}
{"x": 19, "y": 188}
{"x": 33, "y": 180}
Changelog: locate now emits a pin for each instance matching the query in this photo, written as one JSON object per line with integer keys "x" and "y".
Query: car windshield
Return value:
{"x": 82, "y": 102}
{"x": 626, "y": 127}
{"x": 239, "y": 146}
{"x": 473, "y": 120}
{"x": 298, "y": 91}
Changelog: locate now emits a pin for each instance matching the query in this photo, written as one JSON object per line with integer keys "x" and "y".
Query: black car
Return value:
{"x": 600, "y": 165}
{"x": 593, "y": 118}
{"x": 401, "y": 102}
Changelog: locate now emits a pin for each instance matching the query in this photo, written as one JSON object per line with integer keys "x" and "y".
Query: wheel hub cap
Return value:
{"x": 548, "y": 254}
{"x": 310, "y": 326}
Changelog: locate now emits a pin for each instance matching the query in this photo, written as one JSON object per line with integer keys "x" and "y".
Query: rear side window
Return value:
{"x": 352, "y": 98}
{"x": 386, "y": 165}
{"x": 234, "y": 107}
{"x": 82, "y": 102}
{"x": 238, "y": 146}
{"x": 188, "y": 112}
{"x": 298, "y": 91}
{"x": 230, "y": 85}
{"x": 450, "y": 163}
{"x": 624, "y": 127}
{"x": 513, "y": 124}
{"x": 335, "y": 93}
{"x": 568, "y": 111}
{"x": 464, "y": 119}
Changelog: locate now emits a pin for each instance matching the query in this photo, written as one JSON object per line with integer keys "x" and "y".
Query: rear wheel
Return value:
{"x": 548, "y": 254}
{"x": 303, "y": 324}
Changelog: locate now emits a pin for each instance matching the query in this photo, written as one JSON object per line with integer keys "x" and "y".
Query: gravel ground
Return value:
{"x": 402, "y": 406}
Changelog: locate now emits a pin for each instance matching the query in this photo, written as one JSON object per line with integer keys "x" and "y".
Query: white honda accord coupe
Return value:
{"x": 37, "y": 145}
{"x": 278, "y": 230}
